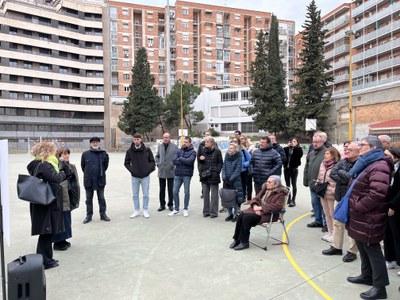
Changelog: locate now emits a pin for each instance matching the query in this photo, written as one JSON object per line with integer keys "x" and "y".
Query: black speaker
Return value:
{"x": 26, "y": 279}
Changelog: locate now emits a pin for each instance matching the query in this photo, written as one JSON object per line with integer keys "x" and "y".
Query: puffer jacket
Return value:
{"x": 214, "y": 162}
{"x": 311, "y": 169}
{"x": 293, "y": 161}
{"x": 139, "y": 162}
{"x": 330, "y": 191}
{"x": 231, "y": 170}
{"x": 340, "y": 174}
{"x": 367, "y": 209}
{"x": 264, "y": 163}
{"x": 183, "y": 160}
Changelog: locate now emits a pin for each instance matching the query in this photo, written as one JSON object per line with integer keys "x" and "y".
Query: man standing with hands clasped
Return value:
{"x": 165, "y": 154}
{"x": 139, "y": 161}
{"x": 94, "y": 165}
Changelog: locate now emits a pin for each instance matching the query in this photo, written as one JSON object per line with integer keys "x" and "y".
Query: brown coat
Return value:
{"x": 275, "y": 202}
{"x": 330, "y": 191}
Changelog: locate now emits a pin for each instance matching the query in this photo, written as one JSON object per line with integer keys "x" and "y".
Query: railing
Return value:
{"x": 337, "y": 51}
{"x": 376, "y": 50}
{"x": 339, "y": 21}
{"x": 366, "y": 4}
{"x": 376, "y": 83}
{"x": 379, "y": 15}
{"x": 374, "y": 34}
{"x": 385, "y": 64}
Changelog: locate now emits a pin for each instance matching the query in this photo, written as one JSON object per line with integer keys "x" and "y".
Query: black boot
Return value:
{"x": 374, "y": 293}
{"x": 292, "y": 203}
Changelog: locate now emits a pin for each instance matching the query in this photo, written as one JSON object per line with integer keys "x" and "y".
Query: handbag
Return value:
{"x": 228, "y": 197}
{"x": 34, "y": 190}
{"x": 320, "y": 188}
{"x": 341, "y": 212}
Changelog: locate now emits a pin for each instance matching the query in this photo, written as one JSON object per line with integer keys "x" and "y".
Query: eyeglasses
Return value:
{"x": 349, "y": 149}
{"x": 362, "y": 145}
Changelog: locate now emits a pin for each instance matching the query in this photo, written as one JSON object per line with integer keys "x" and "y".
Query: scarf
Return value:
{"x": 327, "y": 164}
{"x": 365, "y": 160}
{"x": 54, "y": 162}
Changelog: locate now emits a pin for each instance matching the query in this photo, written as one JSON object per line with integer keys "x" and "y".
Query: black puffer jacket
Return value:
{"x": 139, "y": 162}
{"x": 214, "y": 162}
{"x": 340, "y": 174}
{"x": 264, "y": 163}
{"x": 47, "y": 219}
{"x": 293, "y": 161}
{"x": 94, "y": 164}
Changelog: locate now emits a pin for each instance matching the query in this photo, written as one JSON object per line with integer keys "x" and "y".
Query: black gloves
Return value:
{"x": 68, "y": 171}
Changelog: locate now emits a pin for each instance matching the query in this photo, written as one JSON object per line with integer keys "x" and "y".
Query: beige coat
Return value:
{"x": 330, "y": 191}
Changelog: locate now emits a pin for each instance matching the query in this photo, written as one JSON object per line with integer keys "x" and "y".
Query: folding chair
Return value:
{"x": 276, "y": 216}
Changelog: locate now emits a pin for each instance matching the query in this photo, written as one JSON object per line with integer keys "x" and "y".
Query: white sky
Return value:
{"x": 283, "y": 9}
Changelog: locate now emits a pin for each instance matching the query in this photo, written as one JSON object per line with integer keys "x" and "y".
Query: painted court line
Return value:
{"x": 296, "y": 266}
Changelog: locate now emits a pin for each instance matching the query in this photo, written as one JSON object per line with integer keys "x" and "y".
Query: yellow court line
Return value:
{"x": 296, "y": 266}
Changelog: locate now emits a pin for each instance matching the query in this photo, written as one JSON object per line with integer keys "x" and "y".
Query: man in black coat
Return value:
{"x": 94, "y": 165}
{"x": 278, "y": 148}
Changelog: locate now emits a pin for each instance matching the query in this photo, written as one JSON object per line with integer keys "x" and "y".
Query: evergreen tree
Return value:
{"x": 312, "y": 96}
{"x": 268, "y": 90}
{"x": 143, "y": 107}
{"x": 172, "y": 115}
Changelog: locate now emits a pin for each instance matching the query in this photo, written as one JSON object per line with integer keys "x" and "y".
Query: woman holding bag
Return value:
{"x": 231, "y": 170}
{"x": 331, "y": 158}
{"x": 47, "y": 219}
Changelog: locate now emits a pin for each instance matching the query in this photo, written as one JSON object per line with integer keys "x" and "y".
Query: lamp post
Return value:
{"x": 350, "y": 34}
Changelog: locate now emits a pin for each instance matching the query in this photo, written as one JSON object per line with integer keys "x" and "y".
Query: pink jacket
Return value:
{"x": 330, "y": 191}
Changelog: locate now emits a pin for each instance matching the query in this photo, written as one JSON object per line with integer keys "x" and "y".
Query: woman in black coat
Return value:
{"x": 294, "y": 153}
{"x": 392, "y": 236}
{"x": 210, "y": 165}
{"x": 47, "y": 219}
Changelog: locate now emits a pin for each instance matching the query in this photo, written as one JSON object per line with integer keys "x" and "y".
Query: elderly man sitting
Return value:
{"x": 270, "y": 198}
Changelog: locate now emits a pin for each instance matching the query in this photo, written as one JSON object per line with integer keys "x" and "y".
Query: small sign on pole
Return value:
{"x": 311, "y": 124}
{"x": 182, "y": 132}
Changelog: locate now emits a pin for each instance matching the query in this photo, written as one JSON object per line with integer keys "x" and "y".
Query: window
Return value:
{"x": 229, "y": 126}
{"x": 46, "y": 98}
{"x": 237, "y": 79}
{"x": 28, "y": 79}
{"x": 13, "y": 95}
{"x": 185, "y": 63}
{"x": 28, "y": 96}
{"x": 150, "y": 27}
{"x": 185, "y": 37}
{"x": 151, "y": 53}
{"x": 150, "y": 15}
{"x": 150, "y": 42}
{"x": 125, "y": 25}
{"x": 46, "y": 81}
{"x": 126, "y": 88}
{"x": 237, "y": 43}
{"x": 186, "y": 75}
{"x": 233, "y": 96}
{"x": 185, "y": 50}
{"x": 126, "y": 52}
{"x": 185, "y": 25}
{"x": 208, "y": 65}
{"x": 125, "y": 38}
{"x": 27, "y": 49}
{"x": 245, "y": 95}
{"x": 185, "y": 12}
{"x": 126, "y": 64}
{"x": 219, "y": 17}
{"x": 237, "y": 66}
{"x": 13, "y": 63}
{"x": 13, "y": 31}
{"x": 124, "y": 12}
{"x": 258, "y": 20}
{"x": 63, "y": 70}
{"x": 237, "y": 54}
{"x": 249, "y": 127}
{"x": 208, "y": 41}
{"x": 62, "y": 40}
{"x": 237, "y": 18}
{"x": 126, "y": 76}
{"x": 14, "y": 46}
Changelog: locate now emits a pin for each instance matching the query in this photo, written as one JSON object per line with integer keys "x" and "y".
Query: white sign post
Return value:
{"x": 311, "y": 124}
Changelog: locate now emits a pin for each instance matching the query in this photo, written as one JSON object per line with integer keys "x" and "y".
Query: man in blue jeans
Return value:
{"x": 183, "y": 160}
{"x": 311, "y": 170}
{"x": 139, "y": 161}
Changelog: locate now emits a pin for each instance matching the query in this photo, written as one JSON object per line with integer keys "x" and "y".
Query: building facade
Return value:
{"x": 209, "y": 46}
{"x": 51, "y": 68}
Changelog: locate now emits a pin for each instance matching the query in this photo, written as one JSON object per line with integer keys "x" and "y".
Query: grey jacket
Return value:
{"x": 164, "y": 160}
{"x": 311, "y": 169}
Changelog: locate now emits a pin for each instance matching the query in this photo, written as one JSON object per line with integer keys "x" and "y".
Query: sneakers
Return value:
{"x": 328, "y": 238}
{"x": 391, "y": 264}
{"x": 135, "y": 214}
{"x": 398, "y": 273}
{"x": 185, "y": 213}
{"x": 146, "y": 214}
{"x": 174, "y": 213}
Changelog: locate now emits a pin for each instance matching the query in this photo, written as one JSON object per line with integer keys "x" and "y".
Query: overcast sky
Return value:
{"x": 283, "y": 9}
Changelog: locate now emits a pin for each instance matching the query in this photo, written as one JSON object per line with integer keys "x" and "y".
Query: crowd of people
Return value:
{"x": 367, "y": 172}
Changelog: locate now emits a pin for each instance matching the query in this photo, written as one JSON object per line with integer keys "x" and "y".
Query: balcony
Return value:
{"x": 338, "y": 36}
{"x": 366, "y": 5}
{"x": 341, "y": 78}
{"x": 376, "y": 83}
{"x": 378, "y": 16}
{"x": 392, "y": 45}
{"x": 380, "y": 66}
{"x": 377, "y": 33}
{"x": 338, "y": 22}
{"x": 338, "y": 65}
{"x": 337, "y": 51}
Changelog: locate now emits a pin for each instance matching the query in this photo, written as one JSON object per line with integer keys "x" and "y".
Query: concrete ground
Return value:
{"x": 181, "y": 258}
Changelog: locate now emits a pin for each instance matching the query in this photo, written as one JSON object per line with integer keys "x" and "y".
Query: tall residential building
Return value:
{"x": 210, "y": 46}
{"x": 51, "y": 70}
{"x": 374, "y": 29}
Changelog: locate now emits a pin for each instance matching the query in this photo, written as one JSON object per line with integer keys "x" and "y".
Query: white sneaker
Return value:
{"x": 174, "y": 213}
{"x": 146, "y": 214}
{"x": 328, "y": 238}
{"x": 398, "y": 273}
{"x": 185, "y": 213}
{"x": 391, "y": 265}
{"x": 325, "y": 236}
{"x": 135, "y": 214}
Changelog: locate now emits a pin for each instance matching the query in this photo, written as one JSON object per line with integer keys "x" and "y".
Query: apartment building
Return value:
{"x": 369, "y": 32}
{"x": 210, "y": 46}
{"x": 51, "y": 70}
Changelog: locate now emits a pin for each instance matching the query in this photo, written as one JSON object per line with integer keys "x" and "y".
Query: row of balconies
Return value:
{"x": 365, "y": 6}
{"x": 338, "y": 65}
{"x": 376, "y": 17}
{"x": 339, "y": 21}
{"x": 376, "y": 83}
{"x": 337, "y": 51}
{"x": 377, "y": 67}
{"x": 392, "y": 45}
{"x": 338, "y": 36}
{"x": 389, "y": 28}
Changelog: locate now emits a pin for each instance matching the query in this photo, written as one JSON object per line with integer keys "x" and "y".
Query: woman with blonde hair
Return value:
{"x": 47, "y": 219}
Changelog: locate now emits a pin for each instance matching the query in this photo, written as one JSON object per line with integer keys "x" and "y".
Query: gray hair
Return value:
{"x": 210, "y": 139}
{"x": 277, "y": 179}
{"x": 372, "y": 141}
{"x": 322, "y": 135}
{"x": 385, "y": 138}
{"x": 236, "y": 146}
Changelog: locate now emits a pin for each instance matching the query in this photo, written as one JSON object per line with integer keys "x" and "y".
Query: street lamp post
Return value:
{"x": 350, "y": 33}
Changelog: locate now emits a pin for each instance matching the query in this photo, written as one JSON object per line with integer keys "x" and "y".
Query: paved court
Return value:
{"x": 180, "y": 258}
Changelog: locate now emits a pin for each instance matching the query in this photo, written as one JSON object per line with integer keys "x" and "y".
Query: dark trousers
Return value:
{"x": 243, "y": 225}
{"x": 163, "y": 182}
{"x": 291, "y": 179}
{"x": 392, "y": 239}
{"x": 249, "y": 188}
{"x": 373, "y": 264}
{"x": 258, "y": 187}
{"x": 243, "y": 178}
{"x": 59, "y": 237}
{"x": 44, "y": 247}
{"x": 100, "y": 198}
